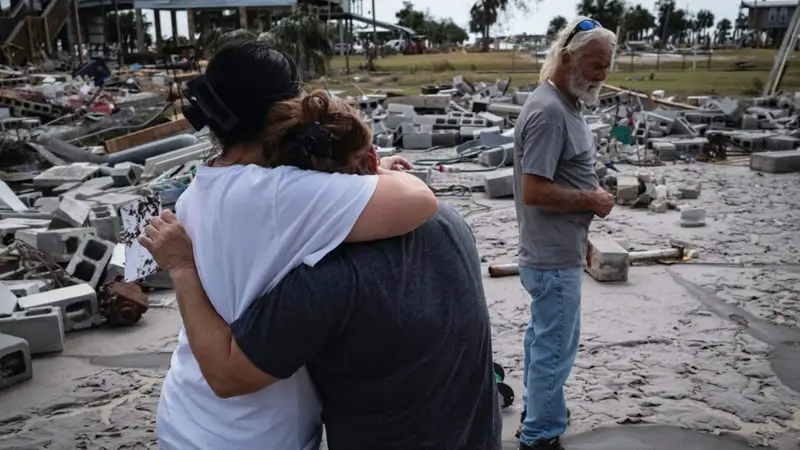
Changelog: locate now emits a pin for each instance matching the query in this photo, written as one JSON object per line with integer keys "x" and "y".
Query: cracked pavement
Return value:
{"x": 677, "y": 354}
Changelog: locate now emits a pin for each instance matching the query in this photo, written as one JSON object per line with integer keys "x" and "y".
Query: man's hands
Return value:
{"x": 603, "y": 202}
{"x": 395, "y": 163}
{"x": 167, "y": 240}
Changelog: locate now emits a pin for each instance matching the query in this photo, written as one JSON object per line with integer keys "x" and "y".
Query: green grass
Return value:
{"x": 408, "y": 72}
{"x": 525, "y": 61}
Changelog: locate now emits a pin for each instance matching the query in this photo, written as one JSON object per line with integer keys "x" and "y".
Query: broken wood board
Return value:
{"x": 151, "y": 134}
{"x": 135, "y": 216}
{"x": 648, "y": 97}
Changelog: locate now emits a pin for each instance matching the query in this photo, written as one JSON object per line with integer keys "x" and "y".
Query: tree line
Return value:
{"x": 669, "y": 24}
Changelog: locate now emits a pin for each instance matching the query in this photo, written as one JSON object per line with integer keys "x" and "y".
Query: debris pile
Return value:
{"x": 642, "y": 130}
{"x": 63, "y": 212}
{"x": 84, "y": 173}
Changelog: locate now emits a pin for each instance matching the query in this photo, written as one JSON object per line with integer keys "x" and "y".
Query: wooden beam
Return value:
{"x": 151, "y": 134}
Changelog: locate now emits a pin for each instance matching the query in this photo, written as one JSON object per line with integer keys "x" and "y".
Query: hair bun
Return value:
{"x": 315, "y": 140}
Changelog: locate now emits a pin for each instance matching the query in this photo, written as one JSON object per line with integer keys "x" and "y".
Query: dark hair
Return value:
{"x": 243, "y": 80}
{"x": 316, "y": 132}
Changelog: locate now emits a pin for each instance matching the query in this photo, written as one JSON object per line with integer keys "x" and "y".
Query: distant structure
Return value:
{"x": 771, "y": 17}
{"x": 30, "y": 29}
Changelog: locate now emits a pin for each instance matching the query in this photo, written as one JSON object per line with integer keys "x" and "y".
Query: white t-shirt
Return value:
{"x": 250, "y": 226}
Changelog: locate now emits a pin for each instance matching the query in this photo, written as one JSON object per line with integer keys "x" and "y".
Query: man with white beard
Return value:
{"x": 557, "y": 195}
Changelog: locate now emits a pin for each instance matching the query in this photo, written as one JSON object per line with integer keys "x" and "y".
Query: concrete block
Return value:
{"x": 492, "y": 120}
{"x": 690, "y": 191}
{"x": 693, "y": 217}
{"x": 24, "y": 288}
{"x": 692, "y": 147}
{"x": 607, "y": 260}
{"x": 8, "y": 301}
{"x": 47, "y": 204}
{"x": 78, "y": 305}
{"x": 116, "y": 199}
{"x": 382, "y": 152}
{"x": 469, "y": 115}
{"x": 776, "y": 162}
{"x": 126, "y": 174}
{"x": 43, "y": 328}
{"x": 384, "y": 139}
{"x": 9, "y": 227}
{"x": 418, "y": 141}
{"x": 71, "y": 213}
{"x": 116, "y": 265}
{"x": 15, "y": 360}
{"x": 658, "y": 206}
{"x": 499, "y": 183}
{"x": 627, "y": 188}
{"x": 59, "y": 244}
{"x": 731, "y": 108}
{"x": 58, "y": 175}
{"x": 29, "y": 198}
{"x": 433, "y": 120}
{"x": 444, "y": 138}
{"x": 498, "y": 156}
{"x": 106, "y": 221}
{"x": 666, "y": 151}
{"x": 749, "y": 122}
{"x": 99, "y": 183}
{"x": 90, "y": 260}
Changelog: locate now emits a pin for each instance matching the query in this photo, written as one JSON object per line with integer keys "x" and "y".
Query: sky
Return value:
{"x": 534, "y": 22}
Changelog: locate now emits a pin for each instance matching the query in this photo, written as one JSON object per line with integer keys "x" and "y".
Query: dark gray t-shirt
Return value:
{"x": 552, "y": 140}
{"x": 396, "y": 337}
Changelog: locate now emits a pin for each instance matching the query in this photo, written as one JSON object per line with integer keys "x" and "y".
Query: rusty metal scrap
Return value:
{"x": 122, "y": 303}
{"x": 38, "y": 265}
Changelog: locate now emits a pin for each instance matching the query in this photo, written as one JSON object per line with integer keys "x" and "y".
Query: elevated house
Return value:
{"x": 29, "y": 28}
{"x": 770, "y": 18}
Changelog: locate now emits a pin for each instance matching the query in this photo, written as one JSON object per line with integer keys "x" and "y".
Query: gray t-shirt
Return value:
{"x": 553, "y": 141}
{"x": 396, "y": 337}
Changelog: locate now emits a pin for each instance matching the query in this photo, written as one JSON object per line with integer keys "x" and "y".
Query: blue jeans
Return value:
{"x": 551, "y": 345}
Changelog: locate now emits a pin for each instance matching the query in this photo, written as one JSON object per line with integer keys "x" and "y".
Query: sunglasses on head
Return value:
{"x": 583, "y": 25}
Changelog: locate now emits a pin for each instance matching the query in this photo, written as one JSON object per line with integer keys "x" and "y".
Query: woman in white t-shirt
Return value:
{"x": 260, "y": 208}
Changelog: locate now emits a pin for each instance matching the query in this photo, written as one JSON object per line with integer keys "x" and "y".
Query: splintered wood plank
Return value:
{"x": 151, "y": 134}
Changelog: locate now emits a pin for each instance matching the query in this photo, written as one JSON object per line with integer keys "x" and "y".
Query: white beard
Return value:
{"x": 578, "y": 86}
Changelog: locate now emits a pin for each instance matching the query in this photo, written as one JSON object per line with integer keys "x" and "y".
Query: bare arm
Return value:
{"x": 400, "y": 204}
{"x": 224, "y": 366}
{"x": 543, "y": 193}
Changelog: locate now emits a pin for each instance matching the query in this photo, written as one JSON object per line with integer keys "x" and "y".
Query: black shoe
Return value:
{"x": 551, "y": 444}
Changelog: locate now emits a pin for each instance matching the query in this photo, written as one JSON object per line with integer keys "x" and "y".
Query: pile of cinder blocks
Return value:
{"x": 64, "y": 225}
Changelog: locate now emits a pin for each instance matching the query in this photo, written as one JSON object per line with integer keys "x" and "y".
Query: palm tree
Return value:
{"x": 608, "y": 12}
{"x": 723, "y": 29}
{"x": 704, "y": 21}
{"x": 556, "y": 24}
{"x": 305, "y": 38}
{"x": 639, "y": 22}
{"x": 300, "y": 35}
{"x": 483, "y": 15}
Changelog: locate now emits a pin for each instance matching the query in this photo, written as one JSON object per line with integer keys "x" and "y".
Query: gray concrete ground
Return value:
{"x": 692, "y": 356}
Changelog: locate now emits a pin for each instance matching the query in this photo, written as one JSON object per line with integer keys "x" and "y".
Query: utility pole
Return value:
{"x": 374, "y": 34}
{"x": 119, "y": 35}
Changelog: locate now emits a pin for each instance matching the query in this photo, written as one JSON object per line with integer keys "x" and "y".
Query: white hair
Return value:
{"x": 576, "y": 45}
